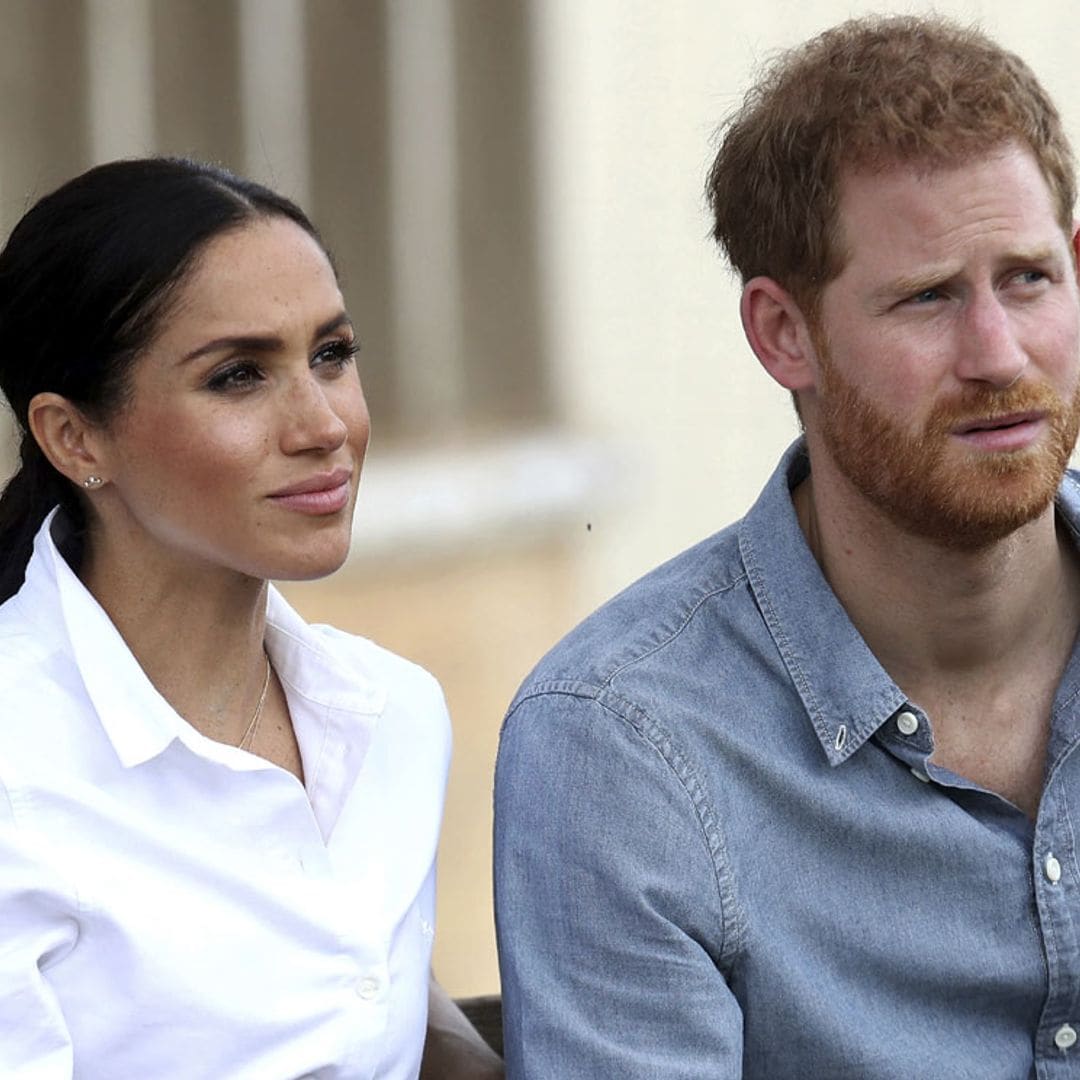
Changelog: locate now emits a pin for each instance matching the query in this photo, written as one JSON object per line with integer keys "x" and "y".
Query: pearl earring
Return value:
{"x": 93, "y": 482}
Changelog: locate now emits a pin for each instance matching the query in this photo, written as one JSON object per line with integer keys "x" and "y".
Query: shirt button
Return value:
{"x": 908, "y": 723}
{"x": 1052, "y": 869}
{"x": 1065, "y": 1037}
{"x": 367, "y": 989}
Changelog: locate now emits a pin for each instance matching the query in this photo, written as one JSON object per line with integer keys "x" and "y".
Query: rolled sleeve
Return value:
{"x": 608, "y": 909}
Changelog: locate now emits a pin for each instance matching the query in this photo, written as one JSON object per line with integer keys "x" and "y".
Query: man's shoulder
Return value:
{"x": 657, "y": 613}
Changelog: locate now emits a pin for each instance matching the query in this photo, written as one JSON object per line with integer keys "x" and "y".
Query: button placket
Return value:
{"x": 1052, "y": 868}
{"x": 1065, "y": 1037}
{"x": 1054, "y": 876}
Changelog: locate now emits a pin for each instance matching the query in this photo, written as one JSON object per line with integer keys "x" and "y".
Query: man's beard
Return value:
{"x": 929, "y": 484}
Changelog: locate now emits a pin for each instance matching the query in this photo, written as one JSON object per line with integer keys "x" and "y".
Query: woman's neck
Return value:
{"x": 197, "y": 632}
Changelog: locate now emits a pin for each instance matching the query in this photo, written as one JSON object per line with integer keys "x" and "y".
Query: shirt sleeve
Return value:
{"x": 36, "y": 928}
{"x": 608, "y": 908}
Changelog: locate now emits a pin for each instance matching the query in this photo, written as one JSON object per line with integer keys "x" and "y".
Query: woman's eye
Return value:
{"x": 336, "y": 354}
{"x": 235, "y": 377}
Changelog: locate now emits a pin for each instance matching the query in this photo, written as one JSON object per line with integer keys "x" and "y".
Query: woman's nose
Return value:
{"x": 310, "y": 421}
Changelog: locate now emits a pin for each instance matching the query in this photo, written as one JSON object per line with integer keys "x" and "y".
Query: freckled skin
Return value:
{"x": 193, "y": 458}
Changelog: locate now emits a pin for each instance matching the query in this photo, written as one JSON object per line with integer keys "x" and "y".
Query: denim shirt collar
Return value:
{"x": 1065, "y": 720}
{"x": 847, "y": 694}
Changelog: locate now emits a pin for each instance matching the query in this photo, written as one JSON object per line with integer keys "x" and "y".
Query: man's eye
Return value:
{"x": 1030, "y": 277}
{"x": 927, "y": 296}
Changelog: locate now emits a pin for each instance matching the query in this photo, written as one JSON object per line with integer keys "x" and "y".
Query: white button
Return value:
{"x": 1065, "y": 1037}
{"x": 920, "y": 775}
{"x": 908, "y": 723}
{"x": 367, "y": 988}
{"x": 1053, "y": 874}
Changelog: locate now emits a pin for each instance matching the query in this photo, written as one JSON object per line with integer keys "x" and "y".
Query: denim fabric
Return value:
{"x": 721, "y": 849}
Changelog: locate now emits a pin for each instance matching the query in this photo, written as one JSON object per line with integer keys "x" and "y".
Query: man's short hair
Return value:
{"x": 865, "y": 95}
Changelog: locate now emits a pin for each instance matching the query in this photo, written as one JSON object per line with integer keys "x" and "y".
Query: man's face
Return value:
{"x": 946, "y": 393}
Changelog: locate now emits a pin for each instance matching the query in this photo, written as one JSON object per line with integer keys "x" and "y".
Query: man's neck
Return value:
{"x": 979, "y": 639}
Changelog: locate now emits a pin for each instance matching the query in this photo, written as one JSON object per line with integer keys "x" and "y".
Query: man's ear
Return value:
{"x": 66, "y": 437}
{"x": 1075, "y": 245}
{"x": 778, "y": 333}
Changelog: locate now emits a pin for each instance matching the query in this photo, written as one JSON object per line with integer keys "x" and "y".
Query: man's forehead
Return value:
{"x": 924, "y": 166}
{"x": 912, "y": 198}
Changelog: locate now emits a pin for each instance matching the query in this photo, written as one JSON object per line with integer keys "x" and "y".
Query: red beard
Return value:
{"x": 931, "y": 486}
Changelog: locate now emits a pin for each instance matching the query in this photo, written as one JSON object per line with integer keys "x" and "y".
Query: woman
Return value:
{"x": 217, "y": 823}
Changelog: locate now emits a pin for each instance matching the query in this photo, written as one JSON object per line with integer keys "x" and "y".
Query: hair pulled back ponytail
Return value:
{"x": 25, "y": 502}
{"x": 85, "y": 279}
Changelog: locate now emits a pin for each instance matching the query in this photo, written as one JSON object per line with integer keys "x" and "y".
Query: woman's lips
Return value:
{"x": 326, "y": 493}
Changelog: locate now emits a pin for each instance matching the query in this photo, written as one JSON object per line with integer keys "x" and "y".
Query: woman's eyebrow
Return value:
{"x": 262, "y": 343}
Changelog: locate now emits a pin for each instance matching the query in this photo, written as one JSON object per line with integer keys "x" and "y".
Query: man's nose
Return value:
{"x": 989, "y": 349}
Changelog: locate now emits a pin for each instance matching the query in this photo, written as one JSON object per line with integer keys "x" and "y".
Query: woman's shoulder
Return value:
{"x": 342, "y": 669}
{"x": 30, "y": 661}
{"x": 355, "y": 675}
{"x": 332, "y": 668}
{"x": 43, "y": 702}
{"x": 368, "y": 657}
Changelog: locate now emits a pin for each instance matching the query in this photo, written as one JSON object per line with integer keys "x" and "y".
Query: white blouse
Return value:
{"x": 171, "y": 907}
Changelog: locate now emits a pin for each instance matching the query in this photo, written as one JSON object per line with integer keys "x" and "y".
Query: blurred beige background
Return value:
{"x": 512, "y": 188}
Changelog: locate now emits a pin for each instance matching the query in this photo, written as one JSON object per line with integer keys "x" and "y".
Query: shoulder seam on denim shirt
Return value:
{"x": 657, "y": 646}
{"x": 733, "y": 925}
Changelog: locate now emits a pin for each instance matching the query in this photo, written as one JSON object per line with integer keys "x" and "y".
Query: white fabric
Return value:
{"x": 174, "y": 908}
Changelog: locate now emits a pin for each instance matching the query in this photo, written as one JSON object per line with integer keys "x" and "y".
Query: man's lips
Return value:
{"x": 996, "y": 423}
{"x": 1007, "y": 434}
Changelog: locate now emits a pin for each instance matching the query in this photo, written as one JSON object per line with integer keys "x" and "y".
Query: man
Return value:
{"x": 803, "y": 802}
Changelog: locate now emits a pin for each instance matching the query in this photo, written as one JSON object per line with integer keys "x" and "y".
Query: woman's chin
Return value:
{"x": 314, "y": 561}
{"x": 312, "y": 570}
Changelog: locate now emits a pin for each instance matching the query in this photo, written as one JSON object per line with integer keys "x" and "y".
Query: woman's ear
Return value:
{"x": 778, "y": 333}
{"x": 66, "y": 438}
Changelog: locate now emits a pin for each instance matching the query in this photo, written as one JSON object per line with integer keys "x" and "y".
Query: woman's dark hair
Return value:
{"x": 85, "y": 279}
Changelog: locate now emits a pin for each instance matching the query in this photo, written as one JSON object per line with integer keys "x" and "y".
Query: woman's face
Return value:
{"x": 242, "y": 441}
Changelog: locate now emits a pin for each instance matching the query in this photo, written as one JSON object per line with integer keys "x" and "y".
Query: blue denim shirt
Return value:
{"x": 721, "y": 849}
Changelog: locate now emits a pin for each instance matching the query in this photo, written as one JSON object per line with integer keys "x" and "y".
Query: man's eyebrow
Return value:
{"x": 936, "y": 276}
{"x": 263, "y": 343}
{"x": 913, "y": 284}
